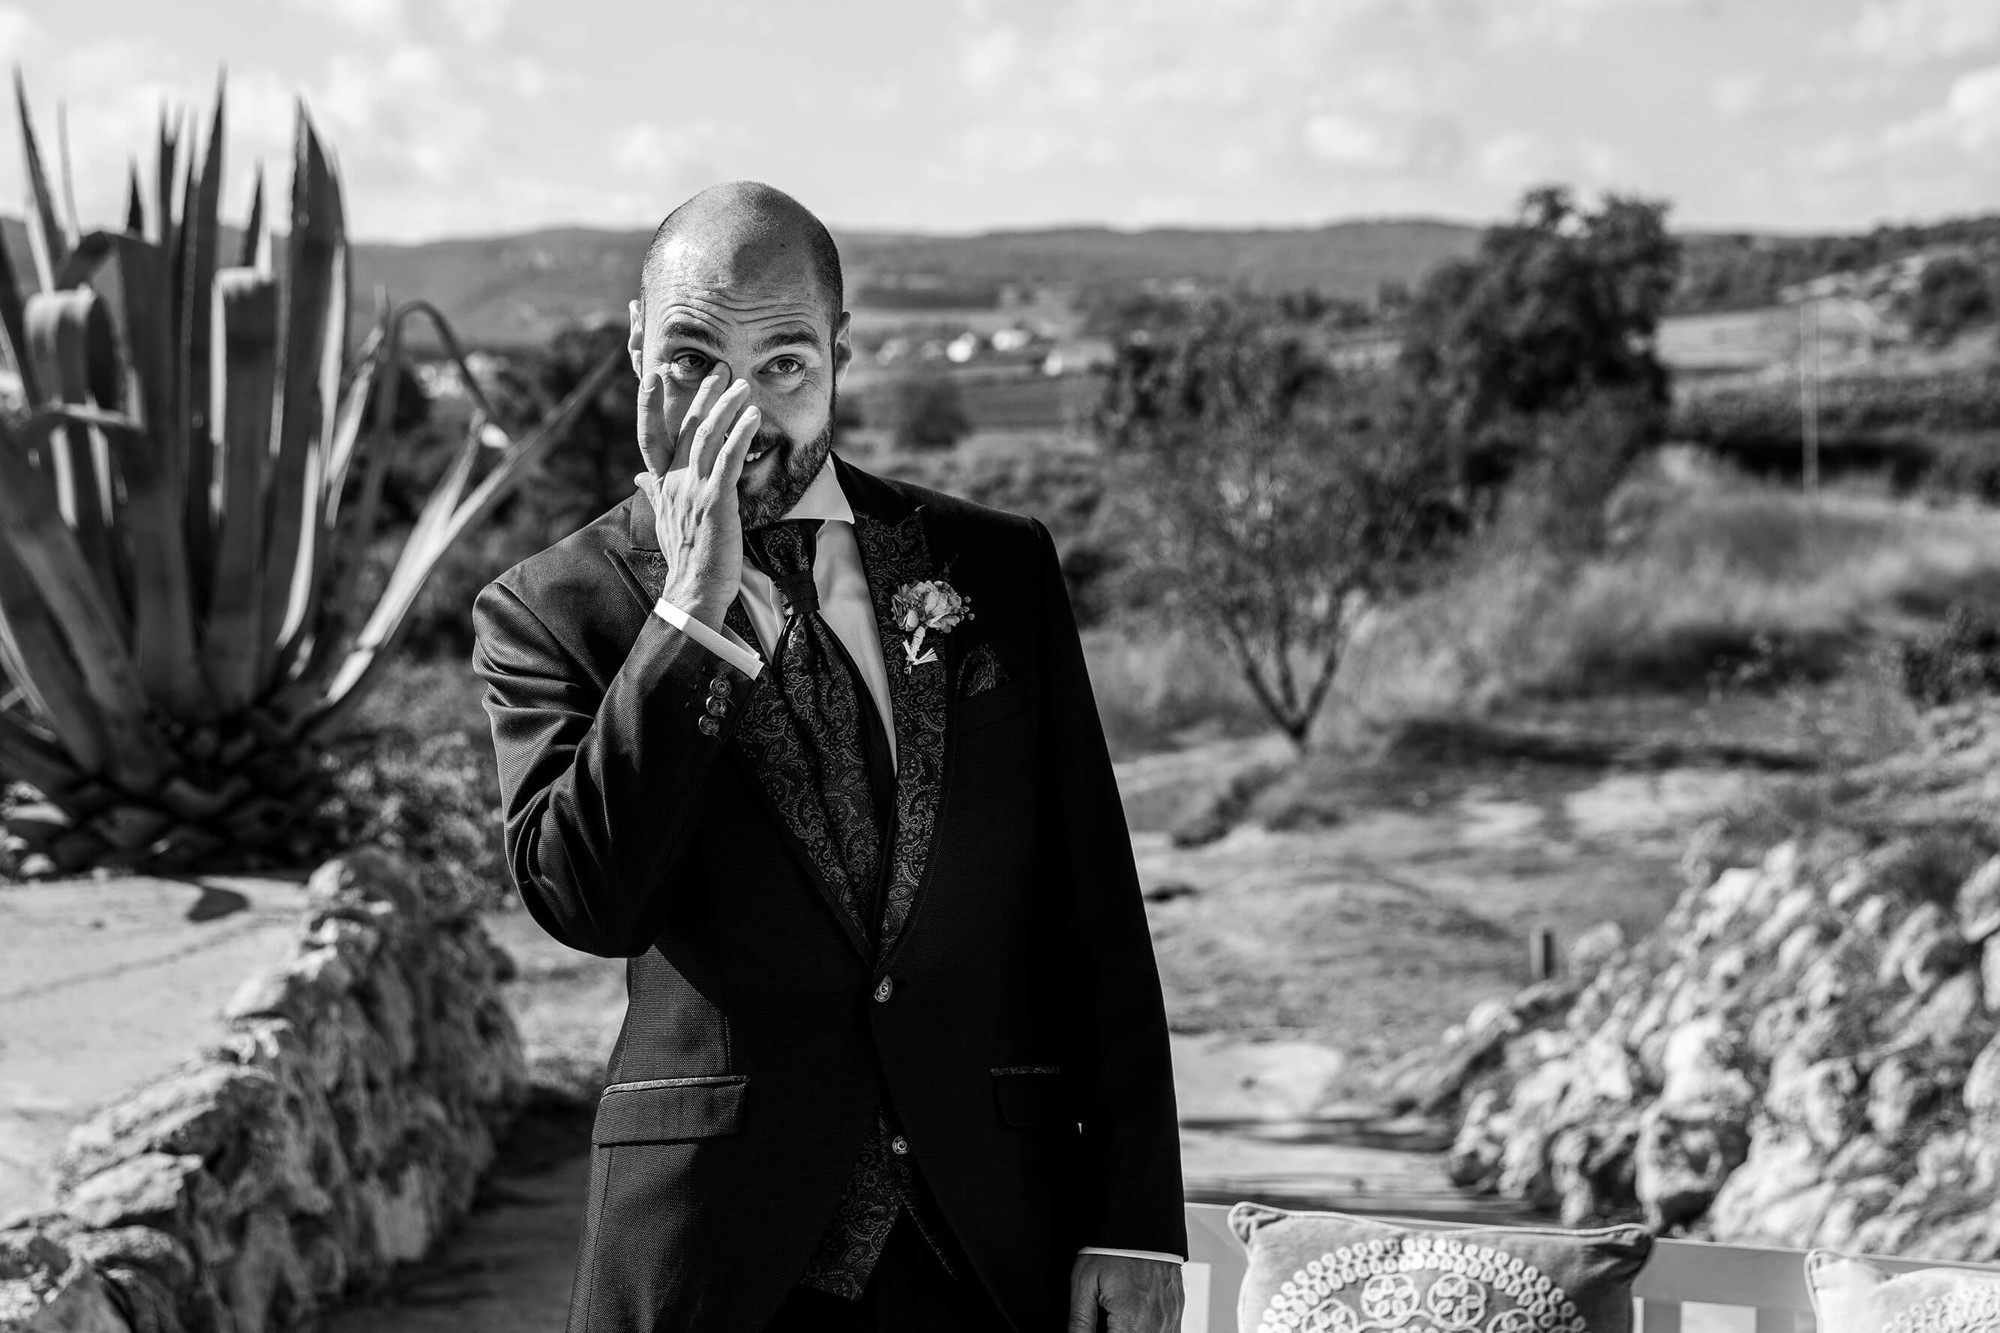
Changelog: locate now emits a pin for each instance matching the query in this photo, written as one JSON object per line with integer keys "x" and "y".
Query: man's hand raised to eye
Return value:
{"x": 1135, "y": 1295}
{"x": 690, "y": 478}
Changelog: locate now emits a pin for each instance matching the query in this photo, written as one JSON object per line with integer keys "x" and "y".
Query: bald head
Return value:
{"x": 742, "y": 234}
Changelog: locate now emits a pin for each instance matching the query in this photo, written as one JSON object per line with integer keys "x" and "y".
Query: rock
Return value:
{"x": 1989, "y": 972}
{"x": 1854, "y": 1204}
{"x": 1595, "y": 947}
{"x": 355, "y": 882}
{"x": 195, "y": 1110}
{"x": 1926, "y": 948}
{"x": 1474, "y": 1160}
{"x": 1683, "y": 1155}
{"x": 153, "y": 1189}
{"x": 1978, "y": 902}
{"x": 1779, "y": 1192}
{"x": 1953, "y": 1022}
{"x": 297, "y": 989}
{"x": 1899, "y": 1092}
{"x": 1981, "y": 1092}
{"x": 1699, "y": 1066}
{"x": 44, "y": 1288}
{"x": 1823, "y": 1099}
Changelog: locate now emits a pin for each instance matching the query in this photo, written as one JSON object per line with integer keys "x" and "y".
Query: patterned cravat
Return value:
{"x": 847, "y": 749}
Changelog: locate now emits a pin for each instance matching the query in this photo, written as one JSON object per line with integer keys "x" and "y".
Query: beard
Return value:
{"x": 795, "y": 467}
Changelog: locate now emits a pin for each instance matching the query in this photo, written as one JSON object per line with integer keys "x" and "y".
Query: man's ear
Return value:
{"x": 635, "y": 340}
{"x": 843, "y": 345}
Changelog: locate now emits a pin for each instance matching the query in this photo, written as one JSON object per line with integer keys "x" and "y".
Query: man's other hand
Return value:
{"x": 1135, "y": 1295}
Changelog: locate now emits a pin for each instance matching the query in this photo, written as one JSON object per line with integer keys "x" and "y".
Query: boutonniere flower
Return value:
{"x": 930, "y": 606}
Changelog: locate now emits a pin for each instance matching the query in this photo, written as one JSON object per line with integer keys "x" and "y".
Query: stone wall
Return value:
{"x": 339, "y": 1128}
{"x": 1805, "y": 1053}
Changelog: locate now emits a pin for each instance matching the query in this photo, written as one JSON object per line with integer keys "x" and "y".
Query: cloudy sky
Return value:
{"x": 456, "y": 117}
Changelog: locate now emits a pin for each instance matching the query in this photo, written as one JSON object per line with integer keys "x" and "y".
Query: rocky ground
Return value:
{"x": 1806, "y": 1052}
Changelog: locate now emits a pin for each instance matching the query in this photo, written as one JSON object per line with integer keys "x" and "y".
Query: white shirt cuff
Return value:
{"x": 1134, "y": 1254}
{"x": 725, "y": 643}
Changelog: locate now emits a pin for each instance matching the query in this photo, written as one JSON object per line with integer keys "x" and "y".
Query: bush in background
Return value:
{"x": 1957, "y": 661}
{"x": 930, "y": 411}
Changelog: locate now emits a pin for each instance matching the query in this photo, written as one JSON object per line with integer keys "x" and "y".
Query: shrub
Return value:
{"x": 1958, "y": 660}
{"x": 930, "y": 412}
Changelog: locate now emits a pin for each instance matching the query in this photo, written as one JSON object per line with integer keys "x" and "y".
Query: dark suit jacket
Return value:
{"x": 1022, "y": 1043}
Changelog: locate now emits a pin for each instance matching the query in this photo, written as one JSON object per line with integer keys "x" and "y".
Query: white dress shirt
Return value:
{"x": 849, "y": 609}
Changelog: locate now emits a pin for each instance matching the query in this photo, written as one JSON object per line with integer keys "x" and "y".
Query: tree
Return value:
{"x": 930, "y": 411}
{"x": 1556, "y": 306}
{"x": 1278, "y": 498}
{"x": 1953, "y": 294}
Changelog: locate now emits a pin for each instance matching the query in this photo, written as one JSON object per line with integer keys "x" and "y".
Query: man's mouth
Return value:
{"x": 758, "y": 448}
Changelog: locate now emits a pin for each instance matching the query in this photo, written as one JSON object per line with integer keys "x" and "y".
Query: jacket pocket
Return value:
{"x": 989, "y": 706}
{"x": 1030, "y": 1096}
{"x": 663, "y": 1110}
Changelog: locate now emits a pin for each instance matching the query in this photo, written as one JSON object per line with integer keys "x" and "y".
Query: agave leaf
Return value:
{"x": 45, "y": 234}
{"x": 48, "y": 553}
{"x": 13, "y": 325}
{"x": 134, "y": 286}
{"x": 312, "y": 269}
{"x": 35, "y": 761}
{"x": 385, "y": 626}
{"x": 253, "y": 230}
{"x": 313, "y": 536}
{"x": 40, "y": 663}
{"x": 163, "y": 183}
{"x": 70, "y": 343}
{"x": 200, "y": 234}
{"x": 391, "y": 355}
{"x": 71, "y": 227}
{"x": 244, "y": 388}
{"x": 135, "y": 207}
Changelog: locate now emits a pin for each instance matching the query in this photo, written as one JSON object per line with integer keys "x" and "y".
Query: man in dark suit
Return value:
{"x": 816, "y": 751}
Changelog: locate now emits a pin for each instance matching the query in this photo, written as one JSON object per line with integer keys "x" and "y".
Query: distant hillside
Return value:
{"x": 516, "y": 288}
{"x": 513, "y": 290}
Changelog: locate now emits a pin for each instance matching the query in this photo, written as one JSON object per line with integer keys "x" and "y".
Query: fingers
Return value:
{"x": 729, "y": 463}
{"x": 713, "y": 432}
{"x": 717, "y": 382}
{"x": 656, "y": 442}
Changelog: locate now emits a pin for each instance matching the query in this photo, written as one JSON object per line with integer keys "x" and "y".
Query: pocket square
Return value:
{"x": 980, "y": 671}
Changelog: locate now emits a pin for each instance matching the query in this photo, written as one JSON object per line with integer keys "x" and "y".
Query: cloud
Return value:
{"x": 1516, "y": 160}
{"x": 478, "y": 20}
{"x": 375, "y": 18}
{"x": 1969, "y": 118}
{"x": 1909, "y": 31}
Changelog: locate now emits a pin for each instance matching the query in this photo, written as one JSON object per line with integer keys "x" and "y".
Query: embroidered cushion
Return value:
{"x": 1328, "y": 1272}
{"x": 1851, "y": 1295}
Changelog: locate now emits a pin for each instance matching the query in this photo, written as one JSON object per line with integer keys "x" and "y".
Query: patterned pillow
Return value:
{"x": 1851, "y": 1295}
{"x": 1338, "y": 1273}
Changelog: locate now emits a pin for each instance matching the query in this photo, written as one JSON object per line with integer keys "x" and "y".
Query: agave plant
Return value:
{"x": 174, "y": 652}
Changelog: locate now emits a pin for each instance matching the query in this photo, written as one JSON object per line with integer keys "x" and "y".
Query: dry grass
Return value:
{"x": 1725, "y": 587}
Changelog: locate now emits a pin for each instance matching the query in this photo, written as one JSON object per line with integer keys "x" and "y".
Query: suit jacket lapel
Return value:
{"x": 765, "y": 743}
{"x": 894, "y": 554}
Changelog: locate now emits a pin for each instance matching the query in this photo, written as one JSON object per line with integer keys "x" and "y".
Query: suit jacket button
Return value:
{"x": 883, "y": 990}
{"x": 899, "y": 1145}
{"x": 717, "y": 707}
{"x": 709, "y": 726}
{"x": 719, "y": 687}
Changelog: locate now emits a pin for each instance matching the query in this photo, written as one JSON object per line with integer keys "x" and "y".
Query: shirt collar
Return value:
{"x": 823, "y": 498}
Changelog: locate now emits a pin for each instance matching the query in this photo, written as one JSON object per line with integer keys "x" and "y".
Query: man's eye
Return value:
{"x": 688, "y": 363}
{"x": 786, "y": 365}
